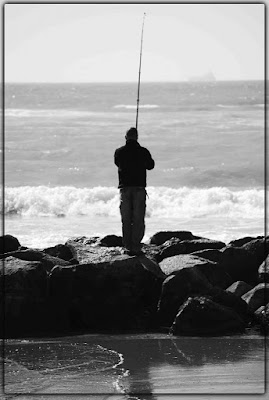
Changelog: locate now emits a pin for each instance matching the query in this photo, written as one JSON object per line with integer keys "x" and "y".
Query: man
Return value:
{"x": 132, "y": 161}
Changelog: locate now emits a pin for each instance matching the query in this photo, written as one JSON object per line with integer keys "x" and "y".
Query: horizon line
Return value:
{"x": 135, "y": 82}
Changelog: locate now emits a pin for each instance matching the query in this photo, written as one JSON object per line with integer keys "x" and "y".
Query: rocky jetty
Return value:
{"x": 182, "y": 284}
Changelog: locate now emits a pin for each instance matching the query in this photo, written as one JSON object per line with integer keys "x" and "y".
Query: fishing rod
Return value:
{"x": 139, "y": 73}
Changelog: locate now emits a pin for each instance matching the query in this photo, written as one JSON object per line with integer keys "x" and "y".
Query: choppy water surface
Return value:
{"x": 134, "y": 366}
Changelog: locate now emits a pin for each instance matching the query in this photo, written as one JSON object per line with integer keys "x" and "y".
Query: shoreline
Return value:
{"x": 45, "y": 231}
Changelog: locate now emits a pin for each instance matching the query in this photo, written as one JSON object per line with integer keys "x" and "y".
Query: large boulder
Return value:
{"x": 263, "y": 271}
{"x": 261, "y": 316}
{"x": 175, "y": 247}
{"x": 176, "y": 263}
{"x": 111, "y": 241}
{"x": 60, "y": 251}
{"x": 200, "y": 316}
{"x": 214, "y": 274}
{"x": 49, "y": 262}
{"x": 240, "y": 242}
{"x": 163, "y": 236}
{"x": 257, "y": 297}
{"x": 8, "y": 243}
{"x": 208, "y": 254}
{"x": 240, "y": 264}
{"x": 239, "y": 288}
{"x": 46, "y": 260}
{"x": 204, "y": 278}
{"x": 258, "y": 248}
{"x": 230, "y": 300}
{"x": 24, "y": 286}
{"x": 24, "y": 277}
{"x": 89, "y": 250}
{"x": 25, "y": 254}
{"x": 120, "y": 293}
{"x": 176, "y": 288}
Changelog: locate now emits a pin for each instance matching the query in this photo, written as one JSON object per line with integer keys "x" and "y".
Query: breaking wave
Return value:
{"x": 163, "y": 202}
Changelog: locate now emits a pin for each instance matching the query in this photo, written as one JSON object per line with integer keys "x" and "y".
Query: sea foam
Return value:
{"x": 162, "y": 202}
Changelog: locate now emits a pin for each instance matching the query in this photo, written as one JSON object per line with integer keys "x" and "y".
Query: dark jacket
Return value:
{"x": 132, "y": 161}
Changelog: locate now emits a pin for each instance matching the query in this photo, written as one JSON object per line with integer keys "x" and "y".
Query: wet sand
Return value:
{"x": 137, "y": 367}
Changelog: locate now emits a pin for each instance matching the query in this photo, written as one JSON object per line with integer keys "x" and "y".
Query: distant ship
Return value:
{"x": 207, "y": 77}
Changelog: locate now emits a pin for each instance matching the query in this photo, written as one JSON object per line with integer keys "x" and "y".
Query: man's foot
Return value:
{"x": 137, "y": 252}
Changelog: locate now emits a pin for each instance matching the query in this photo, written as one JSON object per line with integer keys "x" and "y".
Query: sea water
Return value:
{"x": 207, "y": 140}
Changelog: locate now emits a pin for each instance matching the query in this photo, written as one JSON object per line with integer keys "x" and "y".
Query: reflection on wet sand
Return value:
{"x": 194, "y": 365}
{"x": 134, "y": 367}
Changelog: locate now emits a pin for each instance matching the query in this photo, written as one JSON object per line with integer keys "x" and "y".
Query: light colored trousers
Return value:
{"x": 132, "y": 209}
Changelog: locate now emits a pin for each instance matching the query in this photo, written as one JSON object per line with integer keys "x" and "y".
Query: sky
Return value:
{"x": 101, "y": 42}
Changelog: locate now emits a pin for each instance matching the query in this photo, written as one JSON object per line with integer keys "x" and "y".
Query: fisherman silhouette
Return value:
{"x": 132, "y": 161}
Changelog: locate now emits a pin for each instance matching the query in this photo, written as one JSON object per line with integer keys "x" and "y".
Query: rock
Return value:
{"x": 60, "y": 251}
{"x": 239, "y": 288}
{"x": 176, "y": 263}
{"x": 259, "y": 248}
{"x": 240, "y": 242}
{"x": 88, "y": 284}
{"x": 37, "y": 255}
{"x": 200, "y": 316}
{"x": 211, "y": 271}
{"x": 177, "y": 288}
{"x": 151, "y": 251}
{"x": 174, "y": 247}
{"x": 192, "y": 276}
{"x": 49, "y": 262}
{"x": 83, "y": 240}
{"x": 209, "y": 254}
{"x": 121, "y": 293}
{"x": 25, "y": 254}
{"x": 239, "y": 264}
{"x": 152, "y": 266}
{"x": 257, "y": 296}
{"x": 162, "y": 236}
{"x": 263, "y": 271}
{"x": 24, "y": 277}
{"x": 111, "y": 241}
{"x": 230, "y": 300}
{"x": 25, "y": 290}
{"x": 88, "y": 250}
{"x": 8, "y": 243}
{"x": 262, "y": 317}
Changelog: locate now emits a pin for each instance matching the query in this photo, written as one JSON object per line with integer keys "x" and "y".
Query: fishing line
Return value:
{"x": 139, "y": 73}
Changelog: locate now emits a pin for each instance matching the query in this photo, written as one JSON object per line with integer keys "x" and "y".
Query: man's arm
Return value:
{"x": 149, "y": 162}
{"x": 116, "y": 158}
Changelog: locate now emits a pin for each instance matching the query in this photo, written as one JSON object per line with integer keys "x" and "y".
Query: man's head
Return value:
{"x": 131, "y": 134}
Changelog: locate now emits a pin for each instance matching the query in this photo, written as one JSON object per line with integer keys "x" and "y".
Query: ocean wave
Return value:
{"x": 163, "y": 202}
{"x": 131, "y": 106}
{"x": 228, "y": 106}
{"x": 49, "y": 113}
{"x": 241, "y": 105}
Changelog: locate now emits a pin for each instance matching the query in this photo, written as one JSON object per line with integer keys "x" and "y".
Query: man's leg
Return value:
{"x": 126, "y": 217}
{"x": 139, "y": 209}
